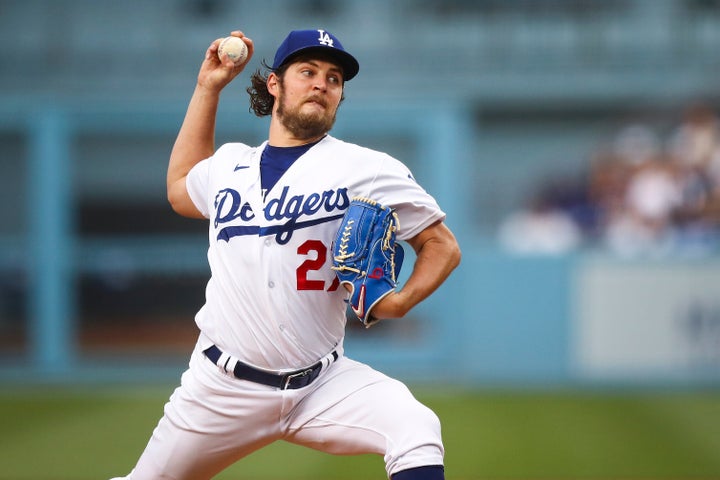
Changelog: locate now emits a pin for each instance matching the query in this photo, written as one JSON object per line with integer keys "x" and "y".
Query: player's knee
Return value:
{"x": 420, "y": 442}
{"x": 425, "y": 420}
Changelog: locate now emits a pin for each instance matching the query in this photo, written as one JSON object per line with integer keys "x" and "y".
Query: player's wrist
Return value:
{"x": 394, "y": 305}
{"x": 207, "y": 90}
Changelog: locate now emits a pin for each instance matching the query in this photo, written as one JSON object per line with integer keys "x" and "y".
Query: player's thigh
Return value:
{"x": 177, "y": 453}
{"x": 210, "y": 422}
{"x": 357, "y": 409}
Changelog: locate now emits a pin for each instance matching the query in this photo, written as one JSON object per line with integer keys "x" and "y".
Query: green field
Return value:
{"x": 97, "y": 433}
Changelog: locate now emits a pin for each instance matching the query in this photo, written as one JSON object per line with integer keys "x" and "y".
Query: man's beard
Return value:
{"x": 302, "y": 125}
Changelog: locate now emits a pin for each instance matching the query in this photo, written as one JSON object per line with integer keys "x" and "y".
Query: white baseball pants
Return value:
{"x": 213, "y": 420}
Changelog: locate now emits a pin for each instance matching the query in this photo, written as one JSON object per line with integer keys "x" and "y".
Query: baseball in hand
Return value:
{"x": 235, "y": 49}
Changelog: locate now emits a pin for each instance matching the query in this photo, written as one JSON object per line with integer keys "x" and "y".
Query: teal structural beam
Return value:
{"x": 51, "y": 326}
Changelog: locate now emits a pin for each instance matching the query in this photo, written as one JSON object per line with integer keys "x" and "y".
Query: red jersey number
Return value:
{"x": 317, "y": 253}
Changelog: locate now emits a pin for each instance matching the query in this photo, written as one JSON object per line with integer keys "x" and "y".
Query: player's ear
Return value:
{"x": 273, "y": 84}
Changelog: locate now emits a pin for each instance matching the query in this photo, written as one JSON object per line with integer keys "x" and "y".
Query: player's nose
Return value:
{"x": 320, "y": 84}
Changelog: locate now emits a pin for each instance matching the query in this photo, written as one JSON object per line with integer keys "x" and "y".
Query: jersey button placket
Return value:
{"x": 271, "y": 251}
{"x": 268, "y": 243}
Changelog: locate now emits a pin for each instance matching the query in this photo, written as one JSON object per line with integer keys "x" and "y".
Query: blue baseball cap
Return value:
{"x": 299, "y": 41}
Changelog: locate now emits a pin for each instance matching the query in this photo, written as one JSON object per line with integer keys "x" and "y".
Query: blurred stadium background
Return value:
{"x": 573, "y": 143}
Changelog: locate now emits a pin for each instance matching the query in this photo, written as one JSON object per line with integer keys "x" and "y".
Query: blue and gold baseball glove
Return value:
{"x": 366, "y": 258}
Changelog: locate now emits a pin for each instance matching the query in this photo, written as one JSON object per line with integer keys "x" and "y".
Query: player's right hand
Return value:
{"x": 214, "y": 74}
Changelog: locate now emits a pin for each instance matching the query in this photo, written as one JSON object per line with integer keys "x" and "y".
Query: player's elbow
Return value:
{"x": 174, "y": 202}
{"x": 180, "y": 201}
{"x": 186, "y": 209}
{"x": 450, "y": 248}
{"x": 454, "y": 254}
{"x": 451, "y": 255}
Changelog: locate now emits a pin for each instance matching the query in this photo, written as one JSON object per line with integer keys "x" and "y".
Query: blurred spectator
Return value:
{"x": 695, "y": 149}
{"x": 542, "y": 228}
{"x": 694, "y": 144}
{"x": 607, "y": 182}
{"x": 644, "y": 221}
{"x": 642, "y": 196}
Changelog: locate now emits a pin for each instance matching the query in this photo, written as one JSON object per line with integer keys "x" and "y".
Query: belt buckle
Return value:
{"x": 289, "y": 378}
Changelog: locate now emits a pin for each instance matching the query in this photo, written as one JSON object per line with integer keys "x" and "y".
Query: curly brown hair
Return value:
{"x": 261, "y": 102}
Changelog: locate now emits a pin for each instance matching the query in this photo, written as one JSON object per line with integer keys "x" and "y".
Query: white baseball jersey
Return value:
{"x": 272, "y": 300}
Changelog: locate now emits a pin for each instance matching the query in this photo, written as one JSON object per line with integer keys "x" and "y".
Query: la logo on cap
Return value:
{"x": 325, "y": 38}
{"x": 315, "y": 41}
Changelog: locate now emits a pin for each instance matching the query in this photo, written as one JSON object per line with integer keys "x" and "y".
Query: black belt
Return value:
{"x": 284, "y": 381}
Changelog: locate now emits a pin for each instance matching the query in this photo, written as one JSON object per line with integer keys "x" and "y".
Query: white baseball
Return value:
{"x": 235, "y": 49}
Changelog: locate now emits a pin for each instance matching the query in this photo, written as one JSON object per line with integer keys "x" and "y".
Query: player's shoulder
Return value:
{"x": 354, "y": 151}
{"x": 232, "y": 152}
{"x": 234, "y": 148}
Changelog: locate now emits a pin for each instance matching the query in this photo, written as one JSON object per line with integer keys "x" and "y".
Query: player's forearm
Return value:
{"x": 438, "y": 254}
{"x": 436, "y": 259}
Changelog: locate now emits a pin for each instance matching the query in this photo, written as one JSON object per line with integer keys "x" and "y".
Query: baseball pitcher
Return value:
{"x": 299, "y": 227}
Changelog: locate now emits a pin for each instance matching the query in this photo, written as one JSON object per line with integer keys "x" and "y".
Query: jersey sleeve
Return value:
{"x": 197, "y": 184}
{"x": 395, "y": 186}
